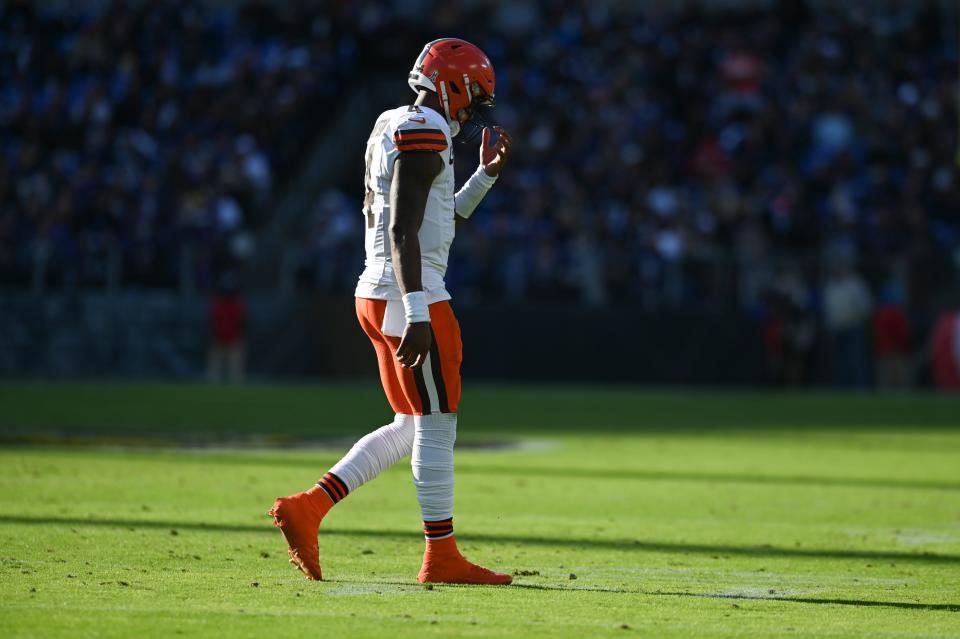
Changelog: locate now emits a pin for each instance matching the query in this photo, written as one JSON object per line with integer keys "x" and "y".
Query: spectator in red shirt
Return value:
{"x": 226, "y": 358}
{"x": 891, "y": 341}
{"x": 945, "y": 347}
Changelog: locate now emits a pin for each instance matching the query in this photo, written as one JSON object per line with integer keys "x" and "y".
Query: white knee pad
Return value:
{"x": 376, "y": 452}
{"x": 432, "y": 464}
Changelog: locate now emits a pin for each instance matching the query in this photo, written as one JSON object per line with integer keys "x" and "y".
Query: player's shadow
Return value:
{"x": 717, "y": 550}
{"x": 724, "y": 478}
{"x": 905, "y": 605}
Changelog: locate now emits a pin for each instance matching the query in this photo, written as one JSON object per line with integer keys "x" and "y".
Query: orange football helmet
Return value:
{"x": 459, "y": 73}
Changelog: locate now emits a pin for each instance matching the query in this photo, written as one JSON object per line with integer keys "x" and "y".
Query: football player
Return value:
{"x": 410, "y": 212}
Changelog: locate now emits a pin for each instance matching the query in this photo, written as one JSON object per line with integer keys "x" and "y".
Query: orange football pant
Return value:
{"x": 435, "y": 386}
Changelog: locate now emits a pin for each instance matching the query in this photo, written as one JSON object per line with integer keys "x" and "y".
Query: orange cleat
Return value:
{"x": 298, "y": 517}
{"x": 443, "y": 563}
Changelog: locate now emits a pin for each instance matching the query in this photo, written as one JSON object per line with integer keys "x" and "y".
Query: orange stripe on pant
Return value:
{"x": 410, "y": 392}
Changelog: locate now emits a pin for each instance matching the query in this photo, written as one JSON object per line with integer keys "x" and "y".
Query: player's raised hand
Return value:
{"x": 494, "y": 155}
{"x": 414, "y": 345}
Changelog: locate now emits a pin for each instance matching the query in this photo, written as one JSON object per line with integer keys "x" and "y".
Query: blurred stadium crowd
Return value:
{"x": 130, "y": 130}
{"x": 795, "y": 160}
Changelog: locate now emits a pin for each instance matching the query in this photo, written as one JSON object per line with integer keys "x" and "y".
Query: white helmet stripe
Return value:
{"x": 416, "y": 79}
{"x": 423, "y": 54}
{"x": 443, "y": 98}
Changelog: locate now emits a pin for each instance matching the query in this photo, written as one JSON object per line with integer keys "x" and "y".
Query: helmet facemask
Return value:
{"x": 472, "y": 128}
{"x": 470, "y": 120}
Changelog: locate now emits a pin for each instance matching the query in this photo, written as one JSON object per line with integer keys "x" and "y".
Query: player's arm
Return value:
{"x": 413, "y": 175}
{"x": 493, "y": 155}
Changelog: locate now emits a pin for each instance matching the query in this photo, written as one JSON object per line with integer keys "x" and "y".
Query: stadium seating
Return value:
{"x": 142, "y": 140}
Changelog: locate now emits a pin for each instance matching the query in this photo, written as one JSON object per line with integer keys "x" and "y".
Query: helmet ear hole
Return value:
{"x": 454, "y": 87}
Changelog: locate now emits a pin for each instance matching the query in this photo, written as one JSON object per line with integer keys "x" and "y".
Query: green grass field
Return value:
{"x": 139, "y": 510}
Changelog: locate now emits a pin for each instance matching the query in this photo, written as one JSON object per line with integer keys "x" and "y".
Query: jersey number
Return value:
{"x": 368, "y": 176}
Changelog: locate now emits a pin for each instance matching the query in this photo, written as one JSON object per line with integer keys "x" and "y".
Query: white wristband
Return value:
{"x": 415, "y": 307}
{"x": 470, "y": 194}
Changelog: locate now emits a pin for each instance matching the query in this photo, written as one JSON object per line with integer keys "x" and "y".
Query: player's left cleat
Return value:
{"x": 443, "y": 563}
{"x": 298, "y": 517}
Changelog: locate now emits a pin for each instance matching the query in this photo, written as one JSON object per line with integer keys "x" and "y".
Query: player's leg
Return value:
{"x": 299, "y": 516}
{"x": 382, "y": 448}
{"x": 434, "y": 391}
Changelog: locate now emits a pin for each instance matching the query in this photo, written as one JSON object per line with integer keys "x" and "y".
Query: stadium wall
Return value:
{"x": 163, "y": 335}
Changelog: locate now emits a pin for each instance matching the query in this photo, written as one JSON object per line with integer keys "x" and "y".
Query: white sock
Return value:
{"x": 432, "y": 463}
{"x": 376, "y": 452}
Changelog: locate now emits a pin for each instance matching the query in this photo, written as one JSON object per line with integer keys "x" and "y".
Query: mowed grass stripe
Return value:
{"x": 347, "y": 408}
{"x": 570, "y": 473}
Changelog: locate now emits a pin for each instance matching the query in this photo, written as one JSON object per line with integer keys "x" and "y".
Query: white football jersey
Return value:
{"x": 407, "y": 128}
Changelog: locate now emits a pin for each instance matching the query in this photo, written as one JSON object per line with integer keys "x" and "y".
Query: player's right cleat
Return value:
{"x": 443, "y": 563}
{"x": 298, "y": 517}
